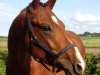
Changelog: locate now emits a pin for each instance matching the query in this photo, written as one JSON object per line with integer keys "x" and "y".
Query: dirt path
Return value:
{"x": 92, "y": 50}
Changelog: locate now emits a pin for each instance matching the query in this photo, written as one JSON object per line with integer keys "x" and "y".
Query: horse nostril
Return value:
{"x": 78, "y": 68}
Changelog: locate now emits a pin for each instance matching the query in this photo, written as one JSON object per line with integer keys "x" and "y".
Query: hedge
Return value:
{"x": 92, "y": 63}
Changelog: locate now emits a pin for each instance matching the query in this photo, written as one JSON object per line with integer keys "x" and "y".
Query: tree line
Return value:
{"x": 89, "y": 34}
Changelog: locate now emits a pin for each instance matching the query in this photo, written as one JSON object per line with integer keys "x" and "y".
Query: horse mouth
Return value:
{"x": 67, "y": 72}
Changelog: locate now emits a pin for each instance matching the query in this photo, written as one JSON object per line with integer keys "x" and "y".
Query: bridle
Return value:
{"x": 51, "y": 57}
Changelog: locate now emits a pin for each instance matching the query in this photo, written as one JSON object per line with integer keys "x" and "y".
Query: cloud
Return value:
{"x": 86, "y": 17}
{"x": 81, "y": 23}
{"x": 8, "y": 13}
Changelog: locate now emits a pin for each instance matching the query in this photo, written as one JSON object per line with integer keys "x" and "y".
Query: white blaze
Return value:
{"x": 80, "y": 59}
{"x": 54, "y": 19}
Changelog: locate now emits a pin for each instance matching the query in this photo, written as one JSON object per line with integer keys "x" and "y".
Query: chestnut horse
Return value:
{"x": 39, "y": 45}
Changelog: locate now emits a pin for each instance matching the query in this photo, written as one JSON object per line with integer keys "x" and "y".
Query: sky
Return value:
{"x": 78, "y": 16}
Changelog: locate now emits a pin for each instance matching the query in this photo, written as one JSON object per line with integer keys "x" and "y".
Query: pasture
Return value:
{"x": 91, "y": 42}
{"x": 3, "y": 43}
{"x": 92, "y": 45}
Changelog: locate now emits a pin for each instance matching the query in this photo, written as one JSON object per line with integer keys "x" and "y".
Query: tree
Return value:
{"x": 87, "y": 34}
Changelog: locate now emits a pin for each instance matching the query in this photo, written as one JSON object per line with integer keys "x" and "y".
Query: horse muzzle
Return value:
{"x": 72, "y": 69}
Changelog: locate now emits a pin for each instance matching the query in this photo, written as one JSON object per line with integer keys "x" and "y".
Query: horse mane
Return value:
{"x": 16, "y": 46}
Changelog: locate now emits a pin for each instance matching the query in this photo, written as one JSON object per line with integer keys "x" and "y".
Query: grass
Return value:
{"x": 3, "y": 55}
{"x": 3, "y": 43}
{"x": 91, "y": 42}
{"x": 2, "y": 67}
{"x": 3, "y": 49}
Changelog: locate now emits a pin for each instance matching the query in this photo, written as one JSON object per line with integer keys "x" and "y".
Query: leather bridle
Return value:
{"x": 51, "y": 57}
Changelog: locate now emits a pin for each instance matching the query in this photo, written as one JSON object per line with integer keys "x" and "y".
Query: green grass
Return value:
{"x": 2, "y": 67}
{"x": 3, "y": 43}
{"x": 91, "y": 42}
{"x": 3, "y": 55}
{"x": 3, "y": 47}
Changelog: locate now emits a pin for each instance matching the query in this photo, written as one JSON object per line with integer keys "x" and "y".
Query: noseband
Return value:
{"x": 51, "y": 57}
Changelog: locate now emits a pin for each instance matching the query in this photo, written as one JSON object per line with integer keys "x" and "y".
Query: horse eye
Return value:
{"x": 46, "y": 28}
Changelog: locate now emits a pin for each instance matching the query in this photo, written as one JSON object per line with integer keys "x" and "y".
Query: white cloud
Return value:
{"x": 86, "y": 17}
{"x": 8, "y": 13}
{"x": 81, "y": 22}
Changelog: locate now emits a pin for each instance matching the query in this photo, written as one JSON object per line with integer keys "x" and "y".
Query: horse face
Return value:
{"x": 50, "y": 30}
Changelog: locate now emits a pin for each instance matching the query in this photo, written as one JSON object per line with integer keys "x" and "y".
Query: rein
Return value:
{"x": 51, "y": 57}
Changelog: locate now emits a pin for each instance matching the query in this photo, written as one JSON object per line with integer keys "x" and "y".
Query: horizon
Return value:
{"x": 78, "y": 16}
{"x": 77, "y": 34}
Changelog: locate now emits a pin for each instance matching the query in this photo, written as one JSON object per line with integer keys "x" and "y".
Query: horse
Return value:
{"x": 38, "y": 44}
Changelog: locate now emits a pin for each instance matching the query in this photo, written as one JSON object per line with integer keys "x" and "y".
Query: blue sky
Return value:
{"x": 78, "y": 15}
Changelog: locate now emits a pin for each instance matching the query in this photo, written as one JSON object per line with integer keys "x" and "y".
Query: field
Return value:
{"x": 3, "y": 43}
{"x": 3, "y": 49}
{"x": 92, "y": 45}
{"x": 91, "y": 42}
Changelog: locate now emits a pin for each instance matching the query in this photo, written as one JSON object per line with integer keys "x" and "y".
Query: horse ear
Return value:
{"x": 35, "y": 3}
{"x": 50, "y": 3}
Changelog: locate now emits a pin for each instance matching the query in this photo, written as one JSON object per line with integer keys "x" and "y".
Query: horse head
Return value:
{"x": 49, "y": 43}
{"x": 51, "y": 32}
